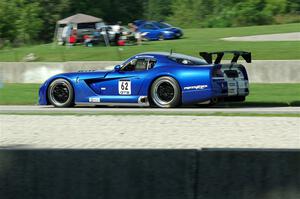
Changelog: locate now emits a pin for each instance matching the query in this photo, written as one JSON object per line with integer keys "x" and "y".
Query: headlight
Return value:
{"x": 168, "y": 32}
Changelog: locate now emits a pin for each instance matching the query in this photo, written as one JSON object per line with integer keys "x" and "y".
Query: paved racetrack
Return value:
{"x": 294, "y": 36}
{"x": 155, "y": 131}
{"x": 147, "y": 131}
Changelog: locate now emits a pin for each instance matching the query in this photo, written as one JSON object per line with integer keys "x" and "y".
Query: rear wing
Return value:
{"x": 208, "y": 57}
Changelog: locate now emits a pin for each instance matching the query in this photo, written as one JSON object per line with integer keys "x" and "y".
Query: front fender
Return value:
{"x": 43, "y": 94}
{"x": 43, "y": 97}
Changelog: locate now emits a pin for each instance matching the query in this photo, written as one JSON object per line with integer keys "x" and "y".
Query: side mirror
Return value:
{"x": 117, "y": 68}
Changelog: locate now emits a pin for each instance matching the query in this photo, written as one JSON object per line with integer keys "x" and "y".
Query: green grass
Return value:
{"x": 194, "y": 40}
{"x": 260, "y": 95}
{"x": 264, "y": 95}
{"x": 19, "y": 94}
{"x": 278, "y": 93}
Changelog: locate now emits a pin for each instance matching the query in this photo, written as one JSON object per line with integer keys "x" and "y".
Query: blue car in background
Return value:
{"x": 153, "y": 30}
{"x": 158, "y": 79}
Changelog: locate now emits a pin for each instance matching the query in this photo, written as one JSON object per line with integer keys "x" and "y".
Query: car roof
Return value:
{"x": 169, "y": 54}
{"x": 142, "y": 22}
{"x": 171, "y": 57}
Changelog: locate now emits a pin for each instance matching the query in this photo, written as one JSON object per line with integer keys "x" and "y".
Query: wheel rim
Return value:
{"x": 161, "y": 37}
{"x": 164, "y": 92}
{"x": 60, "y": 93}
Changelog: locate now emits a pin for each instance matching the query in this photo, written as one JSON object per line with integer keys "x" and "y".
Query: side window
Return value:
{"x": 151, "y": 63}
{"x": 130, "y": 66}
{"x": 186, "y": 61}
{"x": 149, "y": 26}
{"x": 139, "y": 64}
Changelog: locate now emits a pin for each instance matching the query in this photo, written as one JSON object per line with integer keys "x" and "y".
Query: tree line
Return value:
{"x": 25, "y": 21}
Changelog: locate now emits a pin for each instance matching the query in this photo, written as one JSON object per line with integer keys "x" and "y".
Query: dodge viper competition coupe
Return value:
{"x": 155, "y": 79}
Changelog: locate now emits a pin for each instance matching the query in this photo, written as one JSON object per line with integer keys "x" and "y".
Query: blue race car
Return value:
{"x": 153, "y": 30}
{"x": 157, "y": 79}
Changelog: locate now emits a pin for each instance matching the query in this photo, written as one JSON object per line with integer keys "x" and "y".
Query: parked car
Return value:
{"x": 116, "y": 33}
{"x": 153, "y": 30}
{"x": 156, "y": 78}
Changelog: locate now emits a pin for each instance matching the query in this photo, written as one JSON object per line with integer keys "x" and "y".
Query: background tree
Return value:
{"x": 157, "y": 9}
{"x": 111, "y": 11}
{"x": 8, "y": 15}
{"x": 28, "y": 22}
{"x": 51, "y": 12}
{"x": 34, "y": 20}
{"x": 183, "y": 13}
{"x": 20, "y": 20}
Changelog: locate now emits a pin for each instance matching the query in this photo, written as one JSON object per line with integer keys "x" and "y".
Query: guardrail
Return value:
{"x": 260, "y": 71}
{"x": 150, "y": 174}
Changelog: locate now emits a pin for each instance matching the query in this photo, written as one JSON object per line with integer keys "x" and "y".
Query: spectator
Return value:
{"x": 73, "y": 37}
{"x": 87, "y": 40}
{"x": 137, "y": 35}
{"x": 118, "y": 35}
{"x": 66, "y": 33}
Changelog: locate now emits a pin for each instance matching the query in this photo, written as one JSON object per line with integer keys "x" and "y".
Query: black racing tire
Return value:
{"x": 161, "y": 37}
{"x": 61, "y": 93}
{"x": 214, "y": 101}
{"x": 165, "y": 93}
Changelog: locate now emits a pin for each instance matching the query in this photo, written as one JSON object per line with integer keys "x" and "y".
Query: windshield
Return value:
{"x": 162, "y": 25}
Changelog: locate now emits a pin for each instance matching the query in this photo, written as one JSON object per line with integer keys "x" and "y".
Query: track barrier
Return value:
{"x": 149, "y": 174}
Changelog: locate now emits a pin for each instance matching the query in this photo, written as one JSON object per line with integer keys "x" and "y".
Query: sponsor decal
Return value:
{"x": 94, "y": 99}
{"x": 124, "y": 87}
{"x": 197, "y": 87}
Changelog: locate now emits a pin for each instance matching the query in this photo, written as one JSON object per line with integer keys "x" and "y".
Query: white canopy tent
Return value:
{"x": 74, "y": 20}
{"x": 80, "y": 18}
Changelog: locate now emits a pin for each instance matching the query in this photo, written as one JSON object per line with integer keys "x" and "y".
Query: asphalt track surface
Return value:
{"x": 148, "y": 131}
{"x": 117, "y": 129}
{"x": 114, "y": 110}
{"x": 295, "y": 36}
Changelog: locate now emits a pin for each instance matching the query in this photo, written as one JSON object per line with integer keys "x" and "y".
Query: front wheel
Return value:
{"x": 60, "y": 93}
{"x": 165, "y": 92}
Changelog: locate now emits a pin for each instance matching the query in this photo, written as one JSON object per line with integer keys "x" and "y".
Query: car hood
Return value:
{"x": 83, "y": 75}
{"x": 87, "y": 74}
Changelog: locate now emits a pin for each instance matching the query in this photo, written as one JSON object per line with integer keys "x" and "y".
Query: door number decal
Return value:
{"x": 124, "y": 87}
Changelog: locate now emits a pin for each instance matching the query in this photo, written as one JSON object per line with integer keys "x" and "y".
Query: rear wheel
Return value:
{"x": 60, "y": 93}
{"x": 165, "y": 92}
{"x": 214, "y": 101}
{"x": 161, "y": 37}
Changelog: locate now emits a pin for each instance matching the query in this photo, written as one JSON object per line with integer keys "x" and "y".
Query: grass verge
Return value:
{"x": 19, "y": 94}
{"x": 194, "y": 40}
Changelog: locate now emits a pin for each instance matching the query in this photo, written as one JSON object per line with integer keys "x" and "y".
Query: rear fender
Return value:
{"x": 194, "y": 82}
